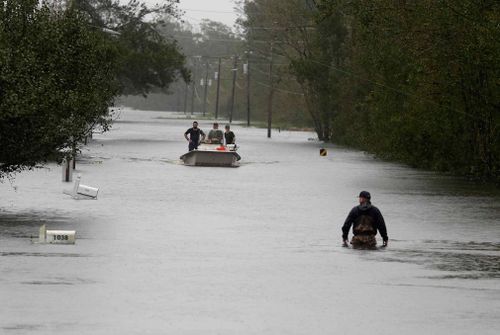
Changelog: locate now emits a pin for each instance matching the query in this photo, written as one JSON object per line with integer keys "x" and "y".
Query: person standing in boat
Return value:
{"x": 194, "y": 136}
{"x": 366, "y": 220}
{"x": 215, "y": 135}
{"x": 229, "y": 135}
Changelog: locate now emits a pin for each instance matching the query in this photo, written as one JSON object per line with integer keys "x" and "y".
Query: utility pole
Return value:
{"x": 217, "y": 77}
{"x": 205, "y": 89}
{"x": 235, "y": 69}
{"x": 270, "y": 98}
{"x": 193, "y": 84}
{"x": 186, "y": 89}
{"x": 178, "y": 97}
{"x": 248, "y": 88}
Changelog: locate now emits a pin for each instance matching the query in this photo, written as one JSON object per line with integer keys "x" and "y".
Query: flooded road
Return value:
{"x": 170, "y": 249}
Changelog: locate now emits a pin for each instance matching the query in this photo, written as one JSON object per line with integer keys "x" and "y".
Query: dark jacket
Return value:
{"x": 366, "y": 219}
{"x": 229, "y": 136}
{"x": 194, "y": 134}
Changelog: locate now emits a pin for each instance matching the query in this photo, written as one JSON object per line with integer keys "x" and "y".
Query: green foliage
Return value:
{"x": 423, "y": 81}
{"x": 310, "y": 45}
{"x": 57, "y": 79}
{"x": 147, "y": 60}
{"x": 416, "y": 81}
{"x": 279, "y": 30}
{"x": 62, "y": 65}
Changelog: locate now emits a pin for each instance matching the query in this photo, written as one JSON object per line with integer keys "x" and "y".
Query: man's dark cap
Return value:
{"x": 365, "y": 194}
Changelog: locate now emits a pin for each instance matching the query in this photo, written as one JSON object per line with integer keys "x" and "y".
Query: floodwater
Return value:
{"x": 170, "y": 249}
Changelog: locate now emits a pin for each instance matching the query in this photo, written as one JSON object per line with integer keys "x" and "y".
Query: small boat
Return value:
{"x": 212, "y": 155}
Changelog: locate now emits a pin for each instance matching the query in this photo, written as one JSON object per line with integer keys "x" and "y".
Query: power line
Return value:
{"x": 397, "y": 90}
{"x": 278, "y": 89}
{"x": 233, "y": 12}
{"x": 208, "y": 11}
{"x": 383, "y": 85}
{"x": 212, "y": 39}
{"x": 280, "y": 28}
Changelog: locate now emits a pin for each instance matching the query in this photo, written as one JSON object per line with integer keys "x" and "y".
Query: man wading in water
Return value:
{"x": 366, "y": 220}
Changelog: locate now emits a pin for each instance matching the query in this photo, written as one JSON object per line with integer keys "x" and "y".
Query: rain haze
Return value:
{"x": 215, "y": 10}
{"x": 168, "y": 248}
{"x": 296, "y": 204}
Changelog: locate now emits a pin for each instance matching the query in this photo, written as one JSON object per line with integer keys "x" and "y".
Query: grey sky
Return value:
{"x": 216, "y": 10}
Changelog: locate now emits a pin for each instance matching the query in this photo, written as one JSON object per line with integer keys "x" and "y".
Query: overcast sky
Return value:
{"x": 215, "y": 10}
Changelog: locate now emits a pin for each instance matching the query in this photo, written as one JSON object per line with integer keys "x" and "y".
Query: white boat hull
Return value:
{"x": 211, "y": 158}
{"x": 207, "y": 156}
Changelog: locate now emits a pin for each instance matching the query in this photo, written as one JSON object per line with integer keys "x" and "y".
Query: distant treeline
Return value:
{"x": 215, "y": 52}
{"x": 414, "y": 81}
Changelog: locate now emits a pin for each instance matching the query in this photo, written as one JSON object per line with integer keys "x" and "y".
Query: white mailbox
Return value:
{"x": 56, "y": 236}
{"x": 60, "y": 236}
{"x": 87, "y": 191}
{"x": 80, "y": 191}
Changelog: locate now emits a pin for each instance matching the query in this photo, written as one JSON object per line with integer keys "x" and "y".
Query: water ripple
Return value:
{"x": 40, "y": 254}
{"x": 460, "y": 260}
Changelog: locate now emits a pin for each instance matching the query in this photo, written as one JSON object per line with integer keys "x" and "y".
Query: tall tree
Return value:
{"x": 416, "y": 81}
{"x": 63, "y": 62}
{"x": 425, "y": 76}
{"x": 308, "y": 45}
{"x": 57, "y": 79}
{"x": 148, "y": 59}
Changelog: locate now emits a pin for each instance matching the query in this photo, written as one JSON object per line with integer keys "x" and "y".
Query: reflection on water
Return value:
{"x": 448, "y": 287}
{"x": 25, "y": 327}
{"x": 260, "y": 162}
{"x": 471, "y": 260}
{"x": 21, "y": 328}
{"x": 25, "y": 225}
{"x": 60, "y": 281}
{"x": 41, "y": 254}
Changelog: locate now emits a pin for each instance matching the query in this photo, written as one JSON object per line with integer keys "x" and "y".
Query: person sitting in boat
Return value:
{"x": 215, "y": 135}
{"x": 194, "y": 136}
{"x": 229, "y": 135}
